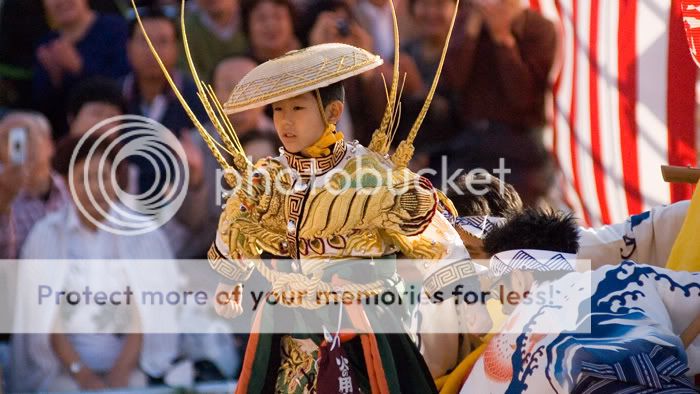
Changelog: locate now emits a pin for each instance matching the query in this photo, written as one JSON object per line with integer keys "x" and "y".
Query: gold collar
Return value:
{"x": 304, "y": 165}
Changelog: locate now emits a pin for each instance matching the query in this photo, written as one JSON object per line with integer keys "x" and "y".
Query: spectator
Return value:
{"x": 259, "y": 145}
{"x": 74, "y": 50}
{"x": 88, "y": 361}
{"x": 213, "y": 33}
{"x": 257, "y": 134}
{"x": 28, "y": 191}
{"x": 432, "y": 19}
{"x": 227, "y": 74}
{"x": 270, "y": 27}
{"x": 97, "y": 99}
{"x": 146, "y": 89}
{"x": 375, "y": 17}
{"x": 498, "y": 73}
{"x": 91, "y": 102}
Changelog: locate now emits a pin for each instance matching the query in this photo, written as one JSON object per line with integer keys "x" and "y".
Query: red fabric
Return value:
{"x": 598, "y": 167}
{"x": 627, "y": 74}
{"x": 249, "y": 358}
{"x": 681, "y": 102}
{"x": 334, "y": 372}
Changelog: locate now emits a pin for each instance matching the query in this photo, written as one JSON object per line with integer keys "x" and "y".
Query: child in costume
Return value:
{"x": 341, "y": 213}
{"x": 327, "y": 235}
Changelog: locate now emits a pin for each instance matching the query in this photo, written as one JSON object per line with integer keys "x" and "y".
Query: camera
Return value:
{"x": 17, "y": 145}
{"x": 343, "y": 27}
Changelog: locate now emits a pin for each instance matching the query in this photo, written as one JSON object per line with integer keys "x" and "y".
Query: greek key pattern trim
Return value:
{"x": 229, "y": 269}
{"x": 305, "y": 165}
{"x": 448, "y": 275}
{"x": 295, "y": 208}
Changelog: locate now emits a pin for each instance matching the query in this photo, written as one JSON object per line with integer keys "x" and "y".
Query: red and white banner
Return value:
{"x": 691, "y": 19}
{"x": 623, "y": 103}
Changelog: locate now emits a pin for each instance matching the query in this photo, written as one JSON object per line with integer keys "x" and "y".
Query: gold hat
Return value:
{"x": 299, "y": 72}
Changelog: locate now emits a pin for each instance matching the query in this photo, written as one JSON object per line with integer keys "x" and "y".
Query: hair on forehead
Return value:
{"x": 151, "y": 13}
{"x": 248, "y": 6}
{"x": 73, "y": 145}
{"x": 95, "y": 90}
{"x": 480, "y": 194}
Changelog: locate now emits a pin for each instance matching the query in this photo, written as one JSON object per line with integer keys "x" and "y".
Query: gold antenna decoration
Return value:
{"x": 405, "y": 150}
{"x": 213, "y": 106}
{"x": 203, "y": 132}
{"x": 380, "y": 138}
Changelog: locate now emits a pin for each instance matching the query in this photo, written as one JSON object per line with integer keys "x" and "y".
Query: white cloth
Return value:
{"x": 505, "y": 262}
{"x": 380, "y": 25}
{"x": 98, "y": 352}
{"x": 64, "y": 382}
{"x": 61, "y": 236}
{"x": 647, "y": 237}
{"x": 436, "y": 325}
{"x": 479, "y": 226}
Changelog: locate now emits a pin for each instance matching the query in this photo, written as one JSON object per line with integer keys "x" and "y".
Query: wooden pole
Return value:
{"x": 677, "y": 174}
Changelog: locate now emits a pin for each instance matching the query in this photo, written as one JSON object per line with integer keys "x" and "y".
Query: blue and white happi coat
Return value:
{"x": 612, "y": 330}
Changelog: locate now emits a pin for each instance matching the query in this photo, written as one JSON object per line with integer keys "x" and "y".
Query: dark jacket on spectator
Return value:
{"x": 103, "y": 50}
{"x": 496, "y": 83}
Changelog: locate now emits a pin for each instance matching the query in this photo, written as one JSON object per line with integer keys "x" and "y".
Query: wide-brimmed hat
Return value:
{"x": 299, "y": 72}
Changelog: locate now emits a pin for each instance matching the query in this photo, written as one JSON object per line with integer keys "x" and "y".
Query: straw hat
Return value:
{"x": 299, "y": 72}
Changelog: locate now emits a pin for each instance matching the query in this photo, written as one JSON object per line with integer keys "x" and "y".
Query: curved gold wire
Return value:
{"x": 381, "y": 140}
{"x": 206, "y": 96}
{"x": 202, "y": 131}
{"x": 405, "y": 150}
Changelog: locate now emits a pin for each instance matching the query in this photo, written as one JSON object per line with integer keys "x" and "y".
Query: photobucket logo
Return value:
{"x": 116, "y": 143}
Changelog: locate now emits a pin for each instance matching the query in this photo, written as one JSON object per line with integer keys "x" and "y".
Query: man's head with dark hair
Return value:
{"x": 152, "y": 12}
{"x": 92, "y": 101}
{"x": 163, "y": 32}
{"x": 542, "y": 229}
{"x": 341, "y": 8}
{"x": 271, "y": 27}
{"x": 71, "y": 144}
{"x": 248, "y": 6}
{"x": 227, "y": 74}
{"x": 481, "y": 194}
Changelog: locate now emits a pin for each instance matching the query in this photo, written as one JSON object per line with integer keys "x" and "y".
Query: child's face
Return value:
{"x": 298, "y": 122}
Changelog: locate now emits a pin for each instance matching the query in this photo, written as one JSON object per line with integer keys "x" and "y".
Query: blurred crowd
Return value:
{"x": 68, "y": 65}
